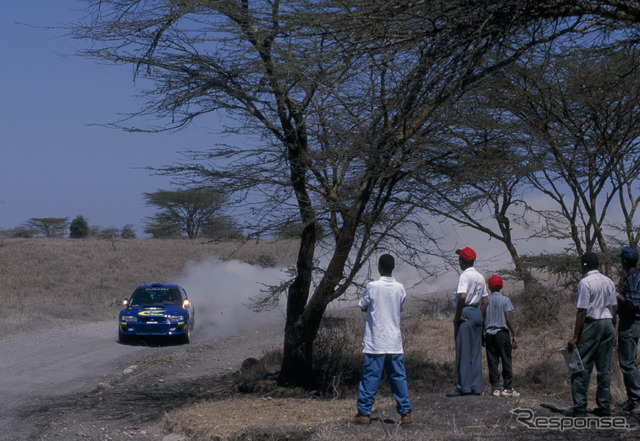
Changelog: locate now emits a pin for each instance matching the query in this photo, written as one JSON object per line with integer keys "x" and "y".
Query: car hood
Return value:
{"x": 153, "y": 311}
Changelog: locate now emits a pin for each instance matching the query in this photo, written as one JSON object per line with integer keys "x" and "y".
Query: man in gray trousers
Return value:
{"x": 471, "y": 296}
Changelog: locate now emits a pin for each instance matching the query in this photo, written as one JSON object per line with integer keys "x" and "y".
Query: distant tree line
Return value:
{"x": 192, "y": 213}
{"x": 59, "y": 227}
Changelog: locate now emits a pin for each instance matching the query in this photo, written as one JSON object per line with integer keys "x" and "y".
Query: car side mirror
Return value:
{"x": 125, "y": 302}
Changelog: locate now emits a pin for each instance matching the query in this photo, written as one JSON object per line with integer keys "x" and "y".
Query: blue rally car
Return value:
{"x": 156, "y": 309}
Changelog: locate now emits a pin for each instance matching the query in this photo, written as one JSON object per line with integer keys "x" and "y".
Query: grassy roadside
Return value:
{"x": 49, "y": 282}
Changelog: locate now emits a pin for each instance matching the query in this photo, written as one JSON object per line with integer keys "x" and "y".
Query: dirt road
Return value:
{"x": 77, "y": 382}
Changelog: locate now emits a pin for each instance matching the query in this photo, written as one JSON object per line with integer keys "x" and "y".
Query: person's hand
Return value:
{"x": 572, "y": 344}
{"x": 514, "y": 342}
{"x": 457, "y": 322}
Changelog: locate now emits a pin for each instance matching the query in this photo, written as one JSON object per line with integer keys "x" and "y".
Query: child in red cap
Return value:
{"x": 498, "y": 342}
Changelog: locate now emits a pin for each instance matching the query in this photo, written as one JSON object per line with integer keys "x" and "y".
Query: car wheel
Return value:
{"x": 123, "y": 338}
{"x": 186, "y": 337}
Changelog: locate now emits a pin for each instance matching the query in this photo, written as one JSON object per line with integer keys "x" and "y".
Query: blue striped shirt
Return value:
{"x": 494, "y": 319}
{"x": 631, "y": 293}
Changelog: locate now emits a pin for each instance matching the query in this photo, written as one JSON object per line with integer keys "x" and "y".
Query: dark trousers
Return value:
{"x": 498, "y": 348}
{"x": 595, "y": 346}
{"x": 628, "y": 335}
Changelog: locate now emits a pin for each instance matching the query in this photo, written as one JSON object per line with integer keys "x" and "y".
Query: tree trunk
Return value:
{"x": 297, "y": 363}
{"x": 304, "y": 314}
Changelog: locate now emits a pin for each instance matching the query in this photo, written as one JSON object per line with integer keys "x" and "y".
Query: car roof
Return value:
{"x": 158, "y": 285}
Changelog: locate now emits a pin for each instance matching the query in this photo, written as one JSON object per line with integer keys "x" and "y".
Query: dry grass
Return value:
{"x": 45, "y": 282}
{"x": 228, "y": 419}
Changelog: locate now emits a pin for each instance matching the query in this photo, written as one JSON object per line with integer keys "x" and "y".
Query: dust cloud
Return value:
{"x": 221, "y": 292}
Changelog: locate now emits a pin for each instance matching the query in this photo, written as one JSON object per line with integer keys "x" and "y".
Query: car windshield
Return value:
{"x": 155, "y": 296}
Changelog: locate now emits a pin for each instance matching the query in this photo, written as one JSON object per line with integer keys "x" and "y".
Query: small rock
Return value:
{"x": 174, "y": 437}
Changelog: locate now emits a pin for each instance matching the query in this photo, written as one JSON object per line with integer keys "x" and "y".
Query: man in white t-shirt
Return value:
{"x": 383, "y": 300}
{"x": 471, "y": 296}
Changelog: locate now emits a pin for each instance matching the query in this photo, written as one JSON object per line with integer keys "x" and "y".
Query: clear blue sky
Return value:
{"x": 53, "y": 163}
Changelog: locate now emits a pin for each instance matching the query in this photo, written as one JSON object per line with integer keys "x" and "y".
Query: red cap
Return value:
{"x": 495, "y": 282}
{"x": 467, "y": 254}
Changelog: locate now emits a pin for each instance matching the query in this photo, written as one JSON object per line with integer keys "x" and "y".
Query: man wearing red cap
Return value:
{"x": 498, "y": 342}
{"x": 471, "y": 294}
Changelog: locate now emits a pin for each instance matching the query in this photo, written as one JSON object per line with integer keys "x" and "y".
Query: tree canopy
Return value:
{"x": 345, "y": 103}
{"x": 49, "y": 226}
{"x": 79, "y": 228}
{"x": 188, "y": 211}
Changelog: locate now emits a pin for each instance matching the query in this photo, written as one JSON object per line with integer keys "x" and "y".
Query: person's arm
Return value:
{"x": 512, "y": 329}
{"x": 581, "y": 316}
{"x": 483, "y": 306}
{"x": 614, "y": 311}
{"x": 365, "y": 300}
{"x": 458, "y": 317}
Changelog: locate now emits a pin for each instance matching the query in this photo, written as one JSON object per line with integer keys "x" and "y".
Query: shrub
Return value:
{"x": 338, "y": 355}
{"x": 79, "y": 228}
{"x": 540, "y": 305}
{"x": 22, "y": 233}
{"x": 128, "y": 232}
{"x": 264, "y": 260}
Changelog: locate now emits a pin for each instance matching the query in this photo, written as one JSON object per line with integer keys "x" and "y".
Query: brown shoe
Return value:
{"x": 635, "y": 410}
{"x": 405, "y": 418}
{"x": 359, "y": 419}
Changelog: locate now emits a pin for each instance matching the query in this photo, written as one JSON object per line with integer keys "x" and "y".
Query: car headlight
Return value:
{"x": 128, "y": 318}
{"x": 175, "y": 318}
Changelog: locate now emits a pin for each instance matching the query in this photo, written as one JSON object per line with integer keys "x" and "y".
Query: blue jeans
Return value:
{"x": 628, "y": 334}
{"x": 393, "y": 365}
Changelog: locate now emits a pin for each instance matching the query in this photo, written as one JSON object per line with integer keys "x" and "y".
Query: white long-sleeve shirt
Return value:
{"x": 383, "y": 300}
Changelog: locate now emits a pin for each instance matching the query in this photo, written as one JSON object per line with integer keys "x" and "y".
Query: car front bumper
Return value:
{"x": 141, "y": 329}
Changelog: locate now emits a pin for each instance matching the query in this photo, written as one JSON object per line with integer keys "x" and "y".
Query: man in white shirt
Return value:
{"x": 383, "y": 300}
{"x": 593, "y": 337}
{"x": 471, "y": 296}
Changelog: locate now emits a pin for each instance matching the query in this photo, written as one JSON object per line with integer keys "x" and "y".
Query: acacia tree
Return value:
{"x": 186, "y": 211}
{"x": 561, "y": 124}
{"x": 488, "y": 172}
{"x": 48, "y": 226}
{"x": 339, "y": 95}
{"x": 583, "y": 117}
